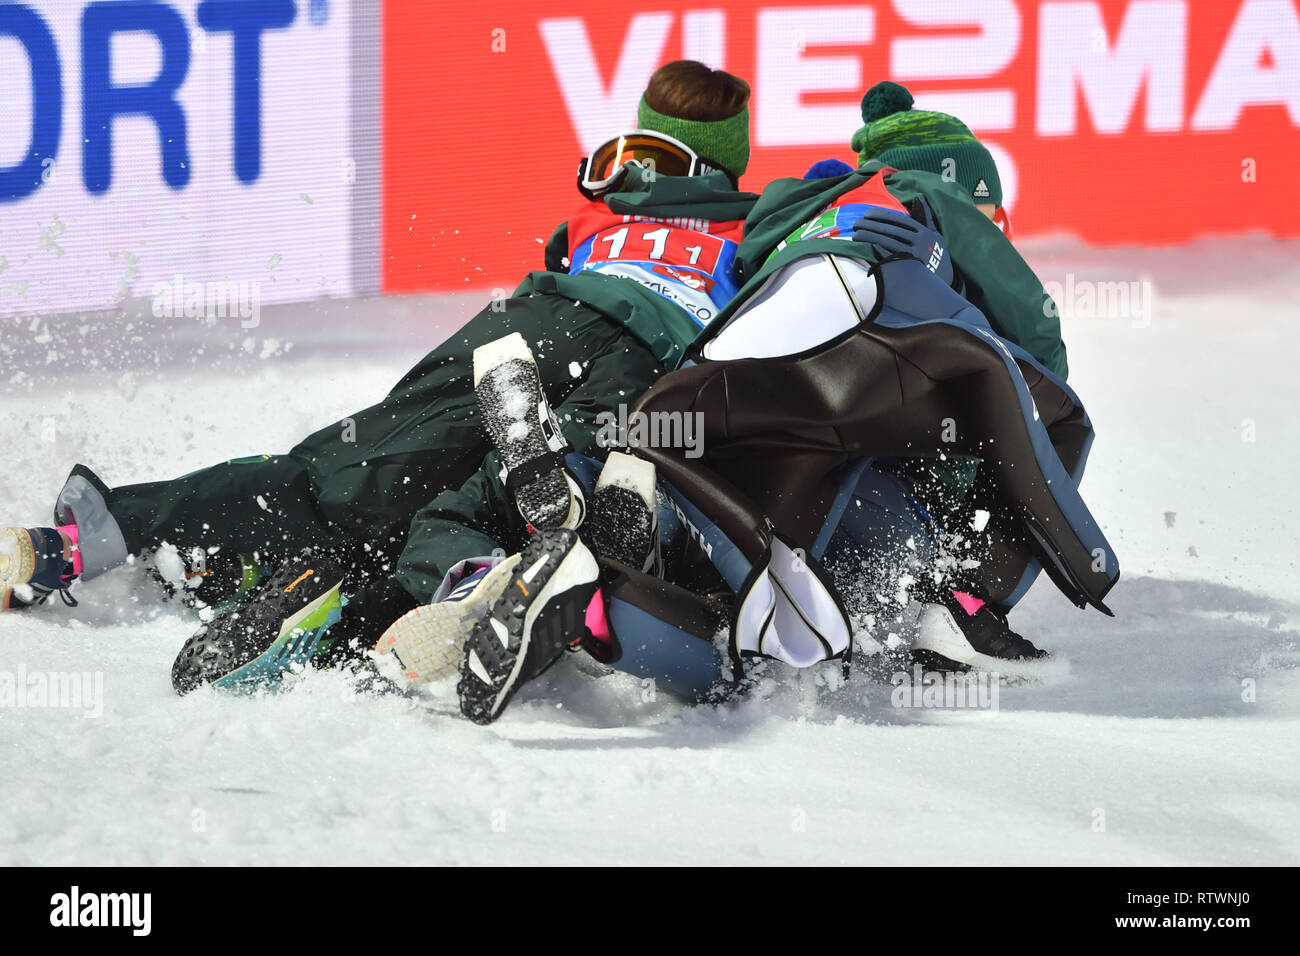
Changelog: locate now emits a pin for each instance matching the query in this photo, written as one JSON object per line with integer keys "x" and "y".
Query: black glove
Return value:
{"x": 897, "y": 234}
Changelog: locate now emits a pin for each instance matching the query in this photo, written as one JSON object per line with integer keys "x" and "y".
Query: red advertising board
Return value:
{"x": 1119, "y": 121}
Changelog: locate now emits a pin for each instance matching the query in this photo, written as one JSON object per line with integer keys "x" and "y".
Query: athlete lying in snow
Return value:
{"x": 355, "y": 490}
{"x": 792, "y": 443}
{"x": 803, "y": 463}
{"x": 478, "y": 517}
{"x": 318, "y": 604}
{"x": 804, "y": 425}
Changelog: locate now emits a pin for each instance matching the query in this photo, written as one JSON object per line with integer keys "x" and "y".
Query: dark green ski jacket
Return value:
{"x": 998, "y": 281}
{"x": 664, "y": 328}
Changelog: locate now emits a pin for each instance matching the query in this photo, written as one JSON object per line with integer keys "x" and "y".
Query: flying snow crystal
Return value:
{"x": 515, "y": 399}
{"x": 261, "y": 503}
{"x": 274, "y": 261}
{"x": 515, "y": 404}
{"x": 48, "y": 237}
{"x": 305, "y": 198}
{"x": 127, "y": 385}
{"x": 169, "y": 564}
{"x": 575, "y": 370}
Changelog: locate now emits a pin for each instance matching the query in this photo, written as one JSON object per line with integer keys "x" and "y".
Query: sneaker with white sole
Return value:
{"x": 429, "y": 641}
{"x": 622, "y": 523}
{"x": 962, "y": 632}
{"x": 526, "y": 434}
{"x": 540, "y": 614}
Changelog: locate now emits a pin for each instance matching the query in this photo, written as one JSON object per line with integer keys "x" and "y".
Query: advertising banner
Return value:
{"x": 193, "y": 152}
{"x": 1144, "y": 122}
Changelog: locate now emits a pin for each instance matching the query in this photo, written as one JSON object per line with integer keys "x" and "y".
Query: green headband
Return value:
{"x": 726, "y": 142}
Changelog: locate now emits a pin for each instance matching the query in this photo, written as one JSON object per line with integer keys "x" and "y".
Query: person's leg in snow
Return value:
{"x": 534, "y": 485}
{"x": 888, "y": 549}
{"x": 556, "y": 607}
{"x": 620, "y": 527}
{"x": 361, "y": 480}
{"x": 35, "y": 563}
{"x": 540, "y": 614}
{"x": 480, "y": 517}
{"x": 518, "y": 419}
{"x": 379, "y": 590}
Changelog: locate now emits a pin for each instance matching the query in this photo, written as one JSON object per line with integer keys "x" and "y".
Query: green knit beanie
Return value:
{"x": 726, "y": 142}
{"x": 904, "y": 138}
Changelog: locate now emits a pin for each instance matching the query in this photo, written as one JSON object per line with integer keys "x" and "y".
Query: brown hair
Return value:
{"x": 689, "y": 90}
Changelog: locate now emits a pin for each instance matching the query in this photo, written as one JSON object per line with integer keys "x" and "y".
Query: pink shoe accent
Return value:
{"x": 969, "y": 603}
{"x": 597, "y": 621}
{"x": 71, "y": 531}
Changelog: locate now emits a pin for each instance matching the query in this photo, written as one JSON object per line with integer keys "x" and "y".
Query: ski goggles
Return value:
{"x": 606, "y": 168}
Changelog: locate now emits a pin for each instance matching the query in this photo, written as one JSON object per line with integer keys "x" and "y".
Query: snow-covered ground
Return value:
{"x": 1168, "y": 734}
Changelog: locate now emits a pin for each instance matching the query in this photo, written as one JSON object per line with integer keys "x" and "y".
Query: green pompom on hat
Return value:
{"x": 726, "y": 142}
{"x": 899, "y": 136}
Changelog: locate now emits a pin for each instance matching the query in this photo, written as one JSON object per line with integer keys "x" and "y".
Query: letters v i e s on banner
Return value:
{"x": 1124, "y": 122}
{"x": 179, "y": 146}
{"x": 327, "y": 147}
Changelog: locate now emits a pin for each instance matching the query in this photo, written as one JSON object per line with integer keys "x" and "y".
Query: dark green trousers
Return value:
{"x": 364, "y": 479}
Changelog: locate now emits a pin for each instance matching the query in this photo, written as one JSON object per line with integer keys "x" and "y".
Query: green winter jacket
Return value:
{"x": 664, "y": 328}
{"x": 998, "y": 281}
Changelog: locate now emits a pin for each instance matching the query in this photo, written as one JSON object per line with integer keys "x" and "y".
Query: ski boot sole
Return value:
{"x": 556, "y": 565}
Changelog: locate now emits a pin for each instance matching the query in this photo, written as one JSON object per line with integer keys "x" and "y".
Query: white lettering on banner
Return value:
{"x": 1080, "y": 65}
{"x": 936, "y": 55}
{"x": 785, "y": 70}
{"x": 991, "y": 110}
{"x": 188, "y": 138}
{"x": 704, "y": 37}
{"x": 592, "y": 105}
{"x": 984, "y": 54}
{"x": 1238, "y": 80}
{"x": 1150, "y": 49}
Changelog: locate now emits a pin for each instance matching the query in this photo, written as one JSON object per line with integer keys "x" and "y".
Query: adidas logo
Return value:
{"x": 981, "y": 190}
{"x": 466, "y": 587}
